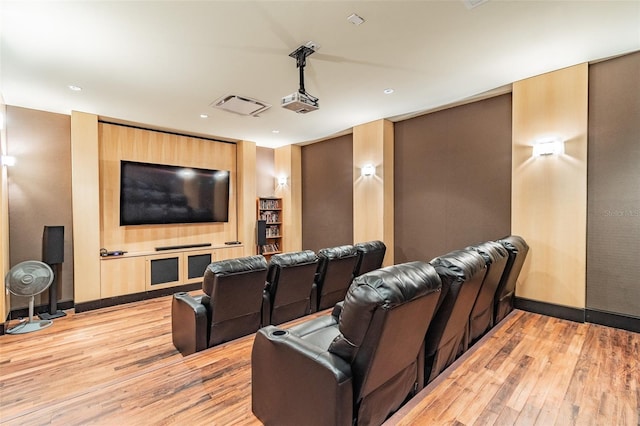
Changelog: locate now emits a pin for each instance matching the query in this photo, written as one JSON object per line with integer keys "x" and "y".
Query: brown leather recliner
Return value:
{"x": 355, "y": 366}
{"x": 481, "y": 317}
{"x": 370, "y": 256}
{"x": 518, "y": 249}
{"x": 231, "y": 306}
{"x": 287, "y": 294}
{"x": 461, "y": 273}
{"x": 335, "y": 273}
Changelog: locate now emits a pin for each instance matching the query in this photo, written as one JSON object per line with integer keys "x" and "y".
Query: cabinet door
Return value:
{"x": 163, "y": 270}
{"x": 195, "y": 263}
{"x": 118, "y": 276}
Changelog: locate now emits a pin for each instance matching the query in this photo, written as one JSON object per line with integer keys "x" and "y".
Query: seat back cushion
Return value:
{"x": 370, "y": 256}
{"x": 518, "y": 249}
{"x": 335, "y": 273}
{"x": 383, "y": 319}
{"x": 462, "y": 273}
{"x": 495, "y": 256}
{"x": 235, "y": 291}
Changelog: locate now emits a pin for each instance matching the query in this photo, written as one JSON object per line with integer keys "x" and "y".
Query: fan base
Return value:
{"x": 28, "y": 327}
{"x": 47, "y": 316}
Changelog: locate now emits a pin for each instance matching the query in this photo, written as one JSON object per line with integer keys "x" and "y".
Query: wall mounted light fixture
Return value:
{"x": 368, "y": 170}
{"x": 8, "y": 160}
{"x": 548, "y": 146}
{"x": 282, "y": 180}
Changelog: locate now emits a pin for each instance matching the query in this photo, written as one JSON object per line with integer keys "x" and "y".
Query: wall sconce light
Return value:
{"x": 548, "y": 146}
{"x": 282, "y": 180}
{"x": 368, "y": 170}
{"x": 8, "y": 160}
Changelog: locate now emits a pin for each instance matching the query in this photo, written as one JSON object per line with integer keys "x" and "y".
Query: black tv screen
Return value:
{"x": 162, "y": 194}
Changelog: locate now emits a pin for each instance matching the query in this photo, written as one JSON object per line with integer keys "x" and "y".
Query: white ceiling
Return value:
{"x": 162, "y": 63}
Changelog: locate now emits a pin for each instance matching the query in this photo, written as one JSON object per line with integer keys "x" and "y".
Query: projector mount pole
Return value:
{"x": 300, "y": 55}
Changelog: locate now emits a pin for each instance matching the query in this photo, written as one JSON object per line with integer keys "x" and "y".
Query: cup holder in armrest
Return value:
{"x": 279, "y": 333}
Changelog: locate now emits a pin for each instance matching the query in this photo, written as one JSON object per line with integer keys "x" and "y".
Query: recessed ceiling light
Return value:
{"x": 355, "y": 19}
{"x": 276, "y": 131}
{"x": 204, "y": 116}
{"x": 388, "y": 91}
{"x": 74, "y": 88}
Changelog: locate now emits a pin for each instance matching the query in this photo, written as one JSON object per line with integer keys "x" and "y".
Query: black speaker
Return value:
{"x": 53, "y": 254}
{"x": 53, "y": 245}
{"x": 262, "y": 232}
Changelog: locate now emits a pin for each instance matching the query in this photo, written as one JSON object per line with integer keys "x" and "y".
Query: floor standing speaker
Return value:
{"x": 262, "y": 232}
{"x": 53, "y": 244}
{"x": 53, "y": 254}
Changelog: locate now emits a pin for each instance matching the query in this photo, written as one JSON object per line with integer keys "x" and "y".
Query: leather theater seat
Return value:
{"x": 518, "y": 249}
{"x": 335, "y": 273}
{"x": 355, "y": 366}
{"x": 481, "y": 317}
{"x": 370, "y": 256}
{"x": 231, "y": 306}
{"x": 461, "y": 273}
{"x": 287, "y": 294}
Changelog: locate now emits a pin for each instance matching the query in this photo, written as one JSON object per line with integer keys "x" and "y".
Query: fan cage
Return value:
{"x": 29, "y": 278}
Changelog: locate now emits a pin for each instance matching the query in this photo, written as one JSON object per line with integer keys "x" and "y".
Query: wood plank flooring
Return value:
{"x": 118, "y": 366}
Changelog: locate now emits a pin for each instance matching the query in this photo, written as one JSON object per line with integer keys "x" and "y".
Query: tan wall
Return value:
{"x": 39, "y": 191}
{"x": 549, "y": 194}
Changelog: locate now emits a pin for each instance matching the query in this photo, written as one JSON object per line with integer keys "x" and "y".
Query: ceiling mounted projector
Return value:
{"x": 300, "y": 101}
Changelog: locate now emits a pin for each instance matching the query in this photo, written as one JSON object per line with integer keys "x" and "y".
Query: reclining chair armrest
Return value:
{"x": 295, "y": 383}
{"x": 266, "y": 307}
{"x": 188, "y": 324}
{"x": 337, "y": 309}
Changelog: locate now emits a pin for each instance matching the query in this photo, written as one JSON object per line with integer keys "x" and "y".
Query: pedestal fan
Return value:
{"x": 28, "y": 279}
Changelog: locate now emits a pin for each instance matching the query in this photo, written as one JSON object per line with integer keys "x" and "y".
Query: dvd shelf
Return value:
{"x": 270, "y": 211}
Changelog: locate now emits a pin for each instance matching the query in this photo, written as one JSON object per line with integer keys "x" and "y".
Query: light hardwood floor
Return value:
{"x": 117, "y": 366}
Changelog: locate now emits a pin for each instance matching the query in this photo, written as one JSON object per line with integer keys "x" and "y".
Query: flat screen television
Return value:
{"x": 162, "y": 194}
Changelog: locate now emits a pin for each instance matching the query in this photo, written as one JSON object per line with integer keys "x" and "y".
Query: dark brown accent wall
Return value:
{"x": 452, "y": 179}
{"x": 613, "y": 177}
{"x": 39, "y": 190}
{"x": 265, "y": 172}
{"x": 327, "y": 193}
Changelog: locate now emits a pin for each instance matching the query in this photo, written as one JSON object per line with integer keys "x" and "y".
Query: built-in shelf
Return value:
{"x": 270, "y": 211}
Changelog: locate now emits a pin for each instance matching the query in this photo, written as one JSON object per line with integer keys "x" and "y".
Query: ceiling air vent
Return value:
{"x": 241, "y": 105}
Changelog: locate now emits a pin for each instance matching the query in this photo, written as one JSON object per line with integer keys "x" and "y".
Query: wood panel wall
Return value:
{"x": 246, "y": 170}
{"x": 549, "y": 194}
{"x": 127, "y": 143}
{"x": 265, "y": 172}
{"x": 86, "y": 206}
{"x": 373, "y": 198}
{"x": 287, "y": 162}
